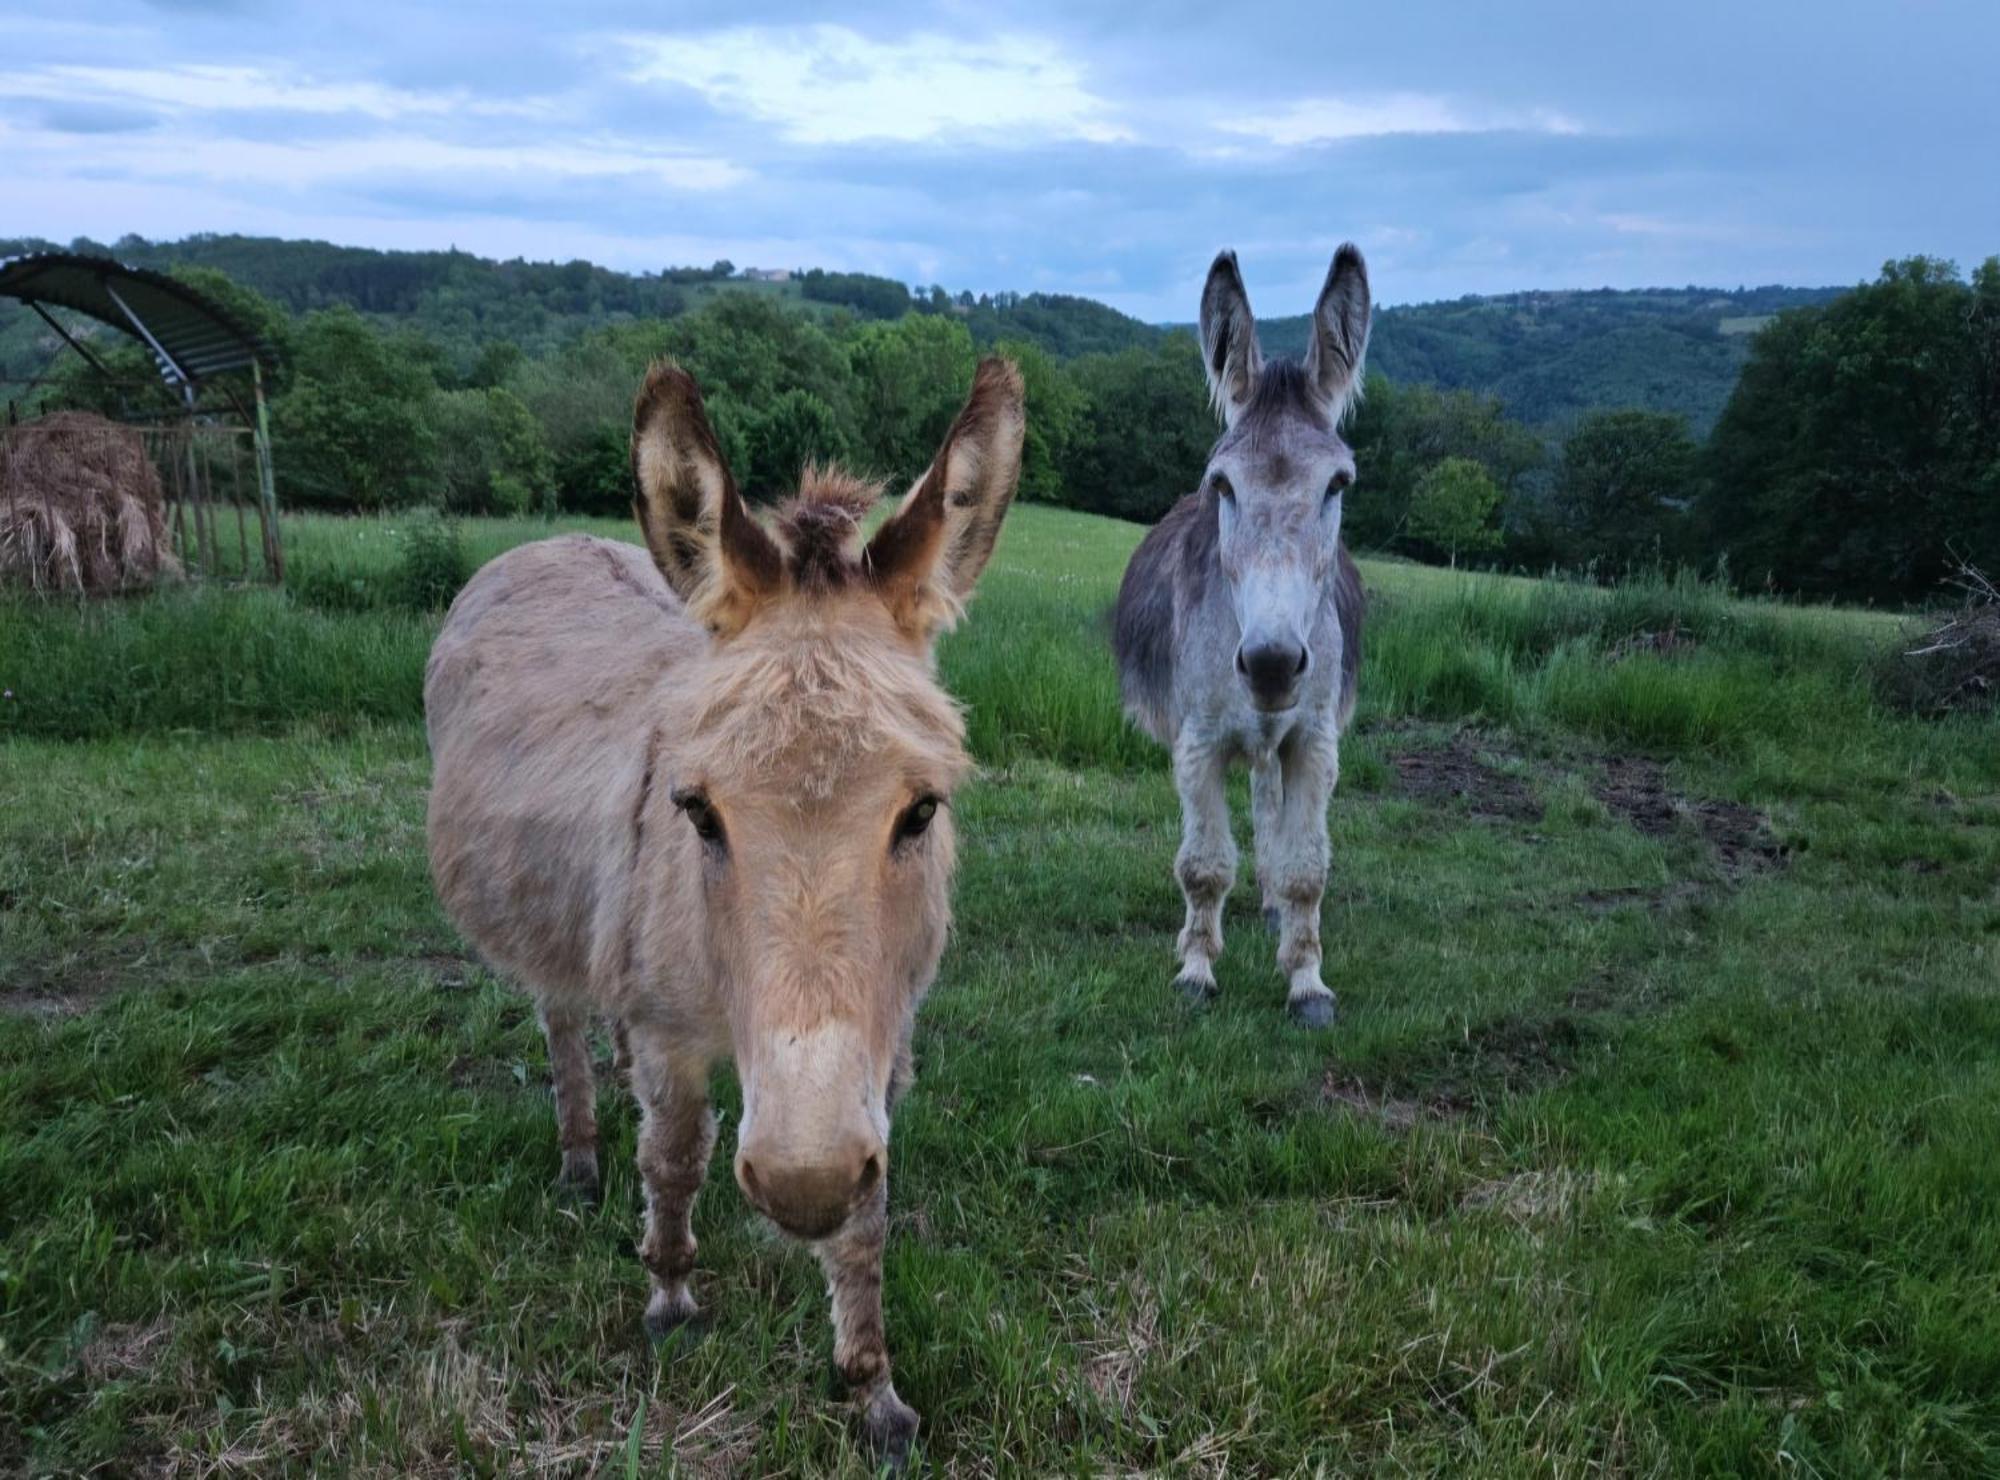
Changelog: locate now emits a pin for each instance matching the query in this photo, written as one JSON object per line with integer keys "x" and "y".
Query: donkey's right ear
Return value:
{"x": 1229, "y": 352}
{"x": 717, "y": 558}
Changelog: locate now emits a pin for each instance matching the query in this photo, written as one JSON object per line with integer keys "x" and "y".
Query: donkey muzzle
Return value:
{"x": 1271, "y": 670}
{"x": 810, "y": 1199}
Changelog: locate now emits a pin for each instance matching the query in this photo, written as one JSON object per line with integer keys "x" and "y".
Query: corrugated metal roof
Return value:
{"x": 190, "y": 334}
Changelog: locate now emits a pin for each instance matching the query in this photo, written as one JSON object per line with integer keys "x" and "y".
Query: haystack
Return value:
{"x": 81, "y": 508}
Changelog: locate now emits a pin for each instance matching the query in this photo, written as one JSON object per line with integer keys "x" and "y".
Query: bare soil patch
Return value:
{"x": 1505, "y": 1057}
{"x": 1456, "y": 772}
{"x": 39, "y": 994}
{"x": 1636, "y": 789}
{"x": 1658, "y": 898}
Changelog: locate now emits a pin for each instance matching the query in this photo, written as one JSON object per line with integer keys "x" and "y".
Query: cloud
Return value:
{"x": 302, "y": 166}
{"x": 828, "y": 85}
{"x": 96, "y": 118}
{"x": 207, "y": 88}
{"x": 1331, "y": 120}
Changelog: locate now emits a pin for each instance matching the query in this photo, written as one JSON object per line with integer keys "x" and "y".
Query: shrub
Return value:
{"x": 431, "y": 566}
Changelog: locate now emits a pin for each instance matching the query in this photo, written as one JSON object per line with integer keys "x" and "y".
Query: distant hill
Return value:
{"x": 1549, "y": 356}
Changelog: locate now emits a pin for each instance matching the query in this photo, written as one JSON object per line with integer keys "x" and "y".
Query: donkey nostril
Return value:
{"x": 1242, "y": 667}
{"x": 1305, "y": 659}
{"x": 871, "y": 1173}
{"x": 748, "y": 1175}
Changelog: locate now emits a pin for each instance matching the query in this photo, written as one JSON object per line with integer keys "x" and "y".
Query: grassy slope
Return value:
{"x": 1628, "y": 1151}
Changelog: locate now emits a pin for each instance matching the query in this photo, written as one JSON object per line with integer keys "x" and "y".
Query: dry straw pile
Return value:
{"x": 81, "y": 508}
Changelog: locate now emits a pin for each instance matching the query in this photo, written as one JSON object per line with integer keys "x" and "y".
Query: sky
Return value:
{"x": 1072, "y": 147}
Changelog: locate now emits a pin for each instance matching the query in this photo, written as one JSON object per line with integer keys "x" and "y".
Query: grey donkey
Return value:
{"x": 1238, "y": 628}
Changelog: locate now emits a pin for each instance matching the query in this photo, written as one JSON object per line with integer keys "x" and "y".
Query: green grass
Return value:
{"x": 1632, "y": 1150}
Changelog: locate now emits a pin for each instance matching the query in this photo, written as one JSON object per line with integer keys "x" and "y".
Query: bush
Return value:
{"x": 1453, "y": 505}
{"x": 430, "y": 567}
{"x": 492, "y": 458}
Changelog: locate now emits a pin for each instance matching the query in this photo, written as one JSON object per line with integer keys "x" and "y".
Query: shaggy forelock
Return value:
{"x": 795, "y": 714}
{"x": 820, "y": 528}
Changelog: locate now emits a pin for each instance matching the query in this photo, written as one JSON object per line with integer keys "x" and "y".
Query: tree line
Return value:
{"x": 1858, "y": 457}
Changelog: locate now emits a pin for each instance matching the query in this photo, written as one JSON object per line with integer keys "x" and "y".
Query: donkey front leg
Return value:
{"x": 566, "y": 1028}
{"x": 676, "y": 1139}
{"x": 1292, "y": 857}
{"x": 1206, "y": 865}
{"x": 852, "y": 1259}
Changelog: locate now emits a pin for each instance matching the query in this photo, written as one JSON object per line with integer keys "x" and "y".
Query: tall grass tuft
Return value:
{"x": 1661, "y": 664}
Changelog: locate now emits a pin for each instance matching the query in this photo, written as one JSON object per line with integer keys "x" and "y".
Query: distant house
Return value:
{"x": 768, "y": 274}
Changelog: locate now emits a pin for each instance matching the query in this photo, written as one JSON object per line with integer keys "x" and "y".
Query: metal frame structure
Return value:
{"x": 193, "y": 340}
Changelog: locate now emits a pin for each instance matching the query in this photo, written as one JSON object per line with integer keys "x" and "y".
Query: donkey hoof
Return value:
{"x": 1198, "y": 988}
{"x": 577, "y": 1182}
{"x": 1315, "y": 1011}
{"x": 667, "y": 1314}
{"x": 890, "y": 1427}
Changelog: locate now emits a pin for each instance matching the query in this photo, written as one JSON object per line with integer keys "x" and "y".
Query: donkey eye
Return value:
{"x": 1223, "y": 488}
{"x": 707, "y": 826}
{"x": 1338, "y": 484}
{"x": 916, "y": 819}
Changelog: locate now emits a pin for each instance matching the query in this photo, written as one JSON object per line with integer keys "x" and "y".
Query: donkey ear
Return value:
{"x": 717, "y": 558}
{"x": 1229, "y": 351}
{"x": 1340, "y": 329}
{"x": 927, "y": 557}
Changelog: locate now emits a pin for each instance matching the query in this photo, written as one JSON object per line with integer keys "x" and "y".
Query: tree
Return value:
{"x": 354, "y": 430}
{"x": 1145, "y": 431}
{"x": 910, "y": 377}
{"x": 1400, "y": 432}
{"x": 1452, "y": 507}
{"x": 492, "y": 458}
{"x": 1055, "y": 408}
{"x": 1860, "y": 453}
{"x": 795, "y": 428}
{"x": 1624, "y": 490}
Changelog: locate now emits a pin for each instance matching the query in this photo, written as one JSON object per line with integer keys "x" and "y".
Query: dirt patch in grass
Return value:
{"x": 1501, "y": 1059}
{"x": 47, "y": 996}
{"x": 1396, "y": 1113}
{"x": 1657, "y": 898}
{"x": 1610, "y": 990}
{"x": 122, "y": 1349}
{"x": 1457, "y": 772}
{"x": 1635, "y": 788}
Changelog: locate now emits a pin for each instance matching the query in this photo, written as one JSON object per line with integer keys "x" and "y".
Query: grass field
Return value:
{"x": 1659, "y": 1134}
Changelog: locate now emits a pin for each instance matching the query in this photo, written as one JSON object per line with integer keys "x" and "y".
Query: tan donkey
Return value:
{"x": 713, "y": 808}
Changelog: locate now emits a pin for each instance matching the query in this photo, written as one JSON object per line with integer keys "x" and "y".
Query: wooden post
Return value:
{"x": 267, "y": 483}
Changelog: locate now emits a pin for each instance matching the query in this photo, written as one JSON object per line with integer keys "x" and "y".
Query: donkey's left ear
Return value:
{"x": 1340, "y": 329}
{"x": 927, "y": 557}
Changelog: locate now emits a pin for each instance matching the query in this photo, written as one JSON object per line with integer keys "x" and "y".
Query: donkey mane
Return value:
{"x": 820, "y": 527}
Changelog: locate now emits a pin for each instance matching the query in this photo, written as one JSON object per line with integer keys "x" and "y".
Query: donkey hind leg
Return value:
{"x": 1292, "y": 858}
{"x": 676, "y": 1139}
{"x": 1267, "y": 800}
{"x": 852, "y": 1259}
{"x": 567, "y": 1028}
{"x": 1206, "y": 865}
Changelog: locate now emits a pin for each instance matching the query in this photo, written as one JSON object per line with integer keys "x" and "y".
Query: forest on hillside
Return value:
{"x": 1549, "y": 357}
{"x": 1855, "y": 455}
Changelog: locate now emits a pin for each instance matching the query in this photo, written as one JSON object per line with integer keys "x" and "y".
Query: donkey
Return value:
{"x": 1238, "y": 626}
{"x": 706, "y": 796}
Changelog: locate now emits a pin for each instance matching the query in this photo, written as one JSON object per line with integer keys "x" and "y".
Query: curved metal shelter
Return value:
{"x": 191, "y": 336}
{"x": 193, "y": 340}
